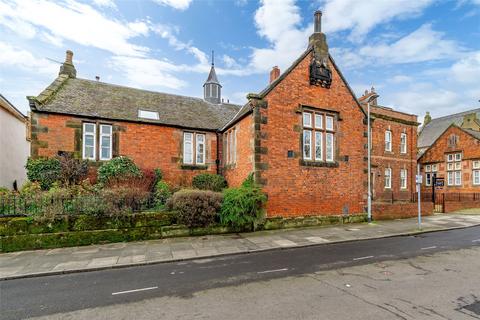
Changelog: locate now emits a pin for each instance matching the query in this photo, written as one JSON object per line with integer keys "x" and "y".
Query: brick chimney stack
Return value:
{"x": 67, "y": 68}
{"x": 274, "y": 74}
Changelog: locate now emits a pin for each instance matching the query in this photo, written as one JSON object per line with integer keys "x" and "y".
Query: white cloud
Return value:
{"x": 467, "y": 70}
{"x": 105, "y": 3}
{"x": 360, "y": 17}
{"x": 230, "y": 62}
{"x": 11, "y": 56}
{"x": 176, "y": 4}
{"x": 421, "y": 45}
{"x": 76, "y": 22}
{"x": 279, "y": 22}
{"x": 400, "y": 78}
{"x": 148, "y": 73}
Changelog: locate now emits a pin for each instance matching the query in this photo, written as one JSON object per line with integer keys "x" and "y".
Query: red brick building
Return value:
{"x": 394, "y": 152}
{"x": 453, "y": 155}
{"x": 303, "y": 136}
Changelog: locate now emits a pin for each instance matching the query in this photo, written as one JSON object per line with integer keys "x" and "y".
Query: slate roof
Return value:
{"x": 436, "y": 127}
{"x": 102, "y": 100}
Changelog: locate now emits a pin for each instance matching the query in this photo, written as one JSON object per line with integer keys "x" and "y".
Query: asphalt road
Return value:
{"x": 24, "y": 298}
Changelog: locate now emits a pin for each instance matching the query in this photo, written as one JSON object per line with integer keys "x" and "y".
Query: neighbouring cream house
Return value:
{"x": 14, "y": 145}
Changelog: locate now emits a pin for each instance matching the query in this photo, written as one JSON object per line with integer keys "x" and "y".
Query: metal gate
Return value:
{"x": 438, "y": 202}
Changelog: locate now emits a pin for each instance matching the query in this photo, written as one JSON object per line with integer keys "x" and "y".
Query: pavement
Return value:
{"x": 117, "y": 255}
{"x": 426, "y": 276}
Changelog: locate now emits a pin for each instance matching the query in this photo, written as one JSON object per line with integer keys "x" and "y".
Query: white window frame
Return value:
{"x": 476, "y": 177}
{"x": 434, "y": 167}
{"x": 319, "y": 144}
{"x": 318, "y": 121}
{"x": 101, "y": 141}
{"x": 458, "y": 157}
{"x": 197, "y": 148}
{"x": 403, "y": 143}
{"x": 94, "y": 135}
{"x": 308, "y": 132}
{"x": 454, "y": 169}
{"x": 403, "y": 178}
{"x": 388, "y": 140}
{"x": 450, "y": 180}
{"x": 307, "y": 115}
{"x": 476, "y": 164}
{"x": 329, "y": 123}
{"x": 388, "y": 178}
{"x": 190, "y": 147}
{"x": 458, "y": 178}
{"x": 428, "y": 179}
{"x": 331, "y": 147}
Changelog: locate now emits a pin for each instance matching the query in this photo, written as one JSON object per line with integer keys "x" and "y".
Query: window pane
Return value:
{"x": 388, "y": 141}
{"x": 476, "y": 177}
{"x": 307, "y": 142}
{"x": 105, "y": 129}
{"x": 318, "y": 121}
{"x": 187, "y": 148}
{"x": 435, "y": 168}
{"x": 329, "y": 123}
{"x": 450, "y": 178}
{"x": 89, "y": 140}
{"x": 105, "y": 153}
{"x": 329, "y": 146}
{"x": 318, "y": 146}
{"x": 200, "y": 154}
{"x": 307, "y": 119}
{"x": 428, "y": 168}
{"x": 428, "y": 179}
{"x": 458, "y": 165}
{"x": 105, "y": 143}
{"x": 458, "y": 156}
{"x": 89, "y": 152}
{"x": 476, "y": 164}
{"x": 89, "y": 127}
{"x": 450, "y": 157}
{"x": 450, "y": 166}
{"x": 458, "y": 178}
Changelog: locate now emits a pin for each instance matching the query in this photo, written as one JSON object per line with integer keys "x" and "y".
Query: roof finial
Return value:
{"x": 213, "y": 58}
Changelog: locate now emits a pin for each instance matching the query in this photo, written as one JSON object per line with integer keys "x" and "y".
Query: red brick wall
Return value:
{"x": 292, "y": 188}
{"x": 398, "y": 210}
{"x": 236, "y": 173}
{"x": 451, "y": 206}
{"x": 150, "y": 146}
{"x": 470, "y": 149}
{"x": 395, "y": 160}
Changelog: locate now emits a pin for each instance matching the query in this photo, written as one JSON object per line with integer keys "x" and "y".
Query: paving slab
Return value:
{"x": 114, "y": 255}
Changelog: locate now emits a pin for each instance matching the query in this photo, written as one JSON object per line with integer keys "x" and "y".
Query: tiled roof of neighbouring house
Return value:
{"x": 102, "y": 100}
{"x": 436, "y": 127}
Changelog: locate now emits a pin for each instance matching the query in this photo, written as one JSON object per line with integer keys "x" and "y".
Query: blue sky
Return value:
{"x": 421, "y": 55}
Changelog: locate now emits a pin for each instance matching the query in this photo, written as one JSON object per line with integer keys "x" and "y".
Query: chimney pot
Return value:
{"x": 69, "y": 57}
{"x": 317, "y": 22}
{"x": 274, "y": 74}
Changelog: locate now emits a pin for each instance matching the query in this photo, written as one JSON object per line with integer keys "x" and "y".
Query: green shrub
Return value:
{"x": 162, "y": 193}
{"x": 121, "y": 200}
{"x": 195, "y": 208}
{"x": 4, "y": 190}
{"x": 242, "y": 206}
{"x": 120, "y": 168}
{"x": 44, "y": 171}
{"x": 30, "y": 189}
{"x": 158, "y": 175}
{"x": 208, "y": 181}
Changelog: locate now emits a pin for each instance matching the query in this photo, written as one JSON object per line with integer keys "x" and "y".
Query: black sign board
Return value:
{"x": 439, "y": 183}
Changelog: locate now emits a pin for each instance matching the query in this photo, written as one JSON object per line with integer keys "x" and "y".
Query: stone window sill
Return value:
{"x": 193, "y": 167}
{"x": 310, "y": 163}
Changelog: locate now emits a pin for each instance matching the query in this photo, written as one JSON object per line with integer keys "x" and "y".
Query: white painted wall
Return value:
{"x": 14, "y": 149}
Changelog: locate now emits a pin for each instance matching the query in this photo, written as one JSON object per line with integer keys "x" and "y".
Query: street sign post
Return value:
{"x": 419, "y": 181}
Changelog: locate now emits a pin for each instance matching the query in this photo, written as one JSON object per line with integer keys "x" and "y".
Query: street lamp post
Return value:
{"x": 369, "y": 156}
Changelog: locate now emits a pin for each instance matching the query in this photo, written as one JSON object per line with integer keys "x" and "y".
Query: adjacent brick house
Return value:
{"x": 394, "y": 152}
{"x": 451, "y": 155}
{"x": 303, "y": 136}
{"x": 98, "y": 121}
